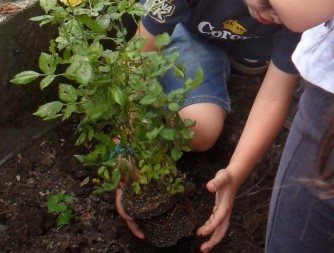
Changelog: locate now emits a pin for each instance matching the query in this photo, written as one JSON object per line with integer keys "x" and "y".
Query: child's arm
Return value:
{"x": 263, "y": 124}
{"x": 301, "y": 15}
{"x": 142, "y": 32}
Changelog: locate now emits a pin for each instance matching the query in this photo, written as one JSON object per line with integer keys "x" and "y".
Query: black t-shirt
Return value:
{"x": 221, "y": 21}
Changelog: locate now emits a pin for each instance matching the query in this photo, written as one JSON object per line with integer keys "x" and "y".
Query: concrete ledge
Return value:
{"x": 21, "y": 43}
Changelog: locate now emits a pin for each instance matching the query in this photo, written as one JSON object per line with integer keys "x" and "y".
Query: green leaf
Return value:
{"x": 106, "y": 174}
{"x": 108, "y": 186}
{"x": 104, "y": 138}
{"x": 64, "y": 218}
{"x": 99, "y": 191}
{"x": 122, "y": 6}
{"x": 67, "y": 54}
{"x": 136, "y": 9}
{"x": 58, "y": 203}
{"x": 80, "y": 158}
{"x": 189, "y": 123}
{"x": 67, "y": 199}
{"x": 48, "y": 5}
{"x": 118, "y": 95}
{"x": 148, "y": 99}
{"x": 68, "y": 110}
{"x": 81, "y": 11}
{"x": 110, "y": 56}
{"x": 49, "y": 110}
{"x": 40, "y": 18}
{"x": 168, "y": 134}
{"x": 80, "y": 69}
{"x": 153, "y": 134}
{"x": 193, "y": 83}
{"x": 103, "y": 20}
{"x": 136, "y": 187}
{"x": 52, "y": 47}
{"x": 94, "y": 111}
{"x": 84, "y": 73}
{"x": 95, "y": 50}
{"x": 176, "y": 155}
{"x": 143, "y": 179}
{"x": 155, "y": 175}
{"x": 80, "y": 140}
{"x": 115, "y": 16}
{"x": 44, "y": 19}
{"x": 101, "y": 170}
{"x": 90, "y": 133}
{"x": 90, "y": 23}
{"x": 187, "y": 134}
{"x": 131, "y": 56}
{"x": 187, "y": 148}
{"x": 145, "y": 169}
{"x": 94, "y": 155}
{"x": 116, "y": 178}
{"x": 162, "y": 40}
{"x": 67, "y": 93}
{"x": 174, "y": 107}
{"x": 47, "y": 63}
{"x": 165, "y": 171}
{"x": 46, "y": 81}
{"x": 179, "y": 71}
{"x": 85, "y": 181}
{"x": 25, "y": 77}
{"x": 54, "y": 204}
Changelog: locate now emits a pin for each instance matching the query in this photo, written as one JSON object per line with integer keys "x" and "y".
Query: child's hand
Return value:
{"x": 129, "y": 221}
{"x": 224, "y": 188}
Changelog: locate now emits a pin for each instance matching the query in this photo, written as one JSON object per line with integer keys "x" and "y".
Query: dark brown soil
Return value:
{"x": 48, "y": 166}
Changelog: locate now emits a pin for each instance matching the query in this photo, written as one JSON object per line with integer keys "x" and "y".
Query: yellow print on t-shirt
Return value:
{"x": 234, "y": 27}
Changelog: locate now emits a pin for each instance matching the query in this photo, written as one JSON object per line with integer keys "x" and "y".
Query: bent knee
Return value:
{"x": 209, "y": 120}
{"x": 203, "y": 144}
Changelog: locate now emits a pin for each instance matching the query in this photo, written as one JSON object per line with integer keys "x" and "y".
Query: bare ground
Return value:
{"x": 48, "y": 166}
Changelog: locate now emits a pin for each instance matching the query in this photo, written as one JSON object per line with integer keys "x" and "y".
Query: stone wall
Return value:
{"x": 21, "y": 43}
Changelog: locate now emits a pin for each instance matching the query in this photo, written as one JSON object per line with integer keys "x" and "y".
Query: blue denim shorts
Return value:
{"x": 194, "y": 52}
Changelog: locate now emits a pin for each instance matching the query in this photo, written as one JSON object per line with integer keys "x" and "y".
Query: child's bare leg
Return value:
{"x": 209, "y": 120}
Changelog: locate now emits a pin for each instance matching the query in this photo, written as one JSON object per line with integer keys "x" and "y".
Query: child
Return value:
{"x": 208, "y": 34}
{"x": 301, "y": 211}
{"x": 212, "y": 35}
{"x": 301, "y": 215}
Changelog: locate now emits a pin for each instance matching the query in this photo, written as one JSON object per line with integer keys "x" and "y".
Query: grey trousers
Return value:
{"x": 299, "y": 220}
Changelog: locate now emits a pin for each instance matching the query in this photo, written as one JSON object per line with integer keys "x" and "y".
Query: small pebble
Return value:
{"x": 31, "y": 181}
